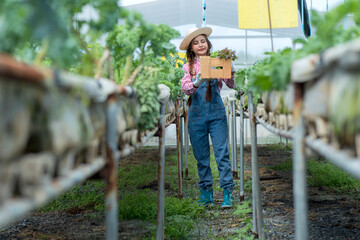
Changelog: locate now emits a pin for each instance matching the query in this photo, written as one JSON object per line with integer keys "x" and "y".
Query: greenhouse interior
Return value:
{"x": 187, "y": 119}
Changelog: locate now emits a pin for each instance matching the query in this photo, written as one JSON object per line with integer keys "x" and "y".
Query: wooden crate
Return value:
{"x": 208, "y": 64}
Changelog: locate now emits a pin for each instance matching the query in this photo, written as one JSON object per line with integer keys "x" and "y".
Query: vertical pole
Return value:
{"x": 242, "y": 169}
{"x": 257, "y": 214}
{"x": 181, "y": 140}
{"x": 177, "y": 121}
{"x": 111, "y": 201}
{"x": 204, "y": 14}
{"x": 299, "y": 171}
{"x": 229, "y": 125}
{"x": 233, "y": 137}
{"x": 161, "y": 178}
{"x": 246, "y": 65}
{"x": 186, "y": 136}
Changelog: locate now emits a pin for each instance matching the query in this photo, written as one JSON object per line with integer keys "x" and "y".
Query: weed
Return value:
{"x": 144, "y": 174}
{"x": 283, "y": 166}
{"x": 175, "y": 206}
{"x": 182, "y": 216}
{"x": 278, "y": 147}
{"x": 82, "y": 196}
{"x": 243, "y": 210}
{"x": 325, "y": 174}
{"x": 248, "y": 183}
{"x": 138, "y": 204}
{"x": 178, "y": 226}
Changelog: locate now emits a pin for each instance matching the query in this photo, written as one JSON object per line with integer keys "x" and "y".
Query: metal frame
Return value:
{"x": 15, "y": 207}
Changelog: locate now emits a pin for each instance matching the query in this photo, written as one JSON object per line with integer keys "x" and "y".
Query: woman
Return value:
{"x": 206, "y": 116}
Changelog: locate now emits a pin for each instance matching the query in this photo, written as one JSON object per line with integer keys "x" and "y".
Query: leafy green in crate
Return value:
{"x": 227, "y": 54}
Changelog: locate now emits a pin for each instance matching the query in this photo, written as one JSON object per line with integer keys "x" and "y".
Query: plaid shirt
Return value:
{"x": 187, "y": 85}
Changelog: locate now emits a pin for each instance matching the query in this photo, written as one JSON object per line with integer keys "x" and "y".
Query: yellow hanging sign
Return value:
{"x": 254, "y": 14}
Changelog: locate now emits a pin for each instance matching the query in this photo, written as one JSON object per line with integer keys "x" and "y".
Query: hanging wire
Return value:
{"x": 246, "y": 48}
{"x": 327, "y": 5}
{"x": 302, "y": 16}
{"x": 204, "y": 14}
{"x": 271, "y": 35}
{"x": 311, "y": 7}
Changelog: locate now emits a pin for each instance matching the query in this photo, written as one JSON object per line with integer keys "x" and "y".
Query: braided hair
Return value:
{"x": 190, "y": 57}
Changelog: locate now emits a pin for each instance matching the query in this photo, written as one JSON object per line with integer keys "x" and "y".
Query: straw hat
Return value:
{"x": 191, "y": 34}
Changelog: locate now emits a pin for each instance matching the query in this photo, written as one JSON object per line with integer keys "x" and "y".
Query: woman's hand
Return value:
{"x": 199, "y": 80}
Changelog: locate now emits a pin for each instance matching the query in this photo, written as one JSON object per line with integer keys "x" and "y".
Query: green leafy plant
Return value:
{"x": 148, "y": 94}
{"x": 224, "y": 54}
{"x": 50, "y": 30}
{"x": 171, "y": 75}
{"x": 137, "y": 46}
{"x": 131, "y": 43}
{"x": 243, "y": 211}
{"x": 227, "y": 54}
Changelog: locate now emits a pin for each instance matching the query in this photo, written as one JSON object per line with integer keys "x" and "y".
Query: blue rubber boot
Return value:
{"x": 206, "y": 197}
{"x": 227, "y": 202}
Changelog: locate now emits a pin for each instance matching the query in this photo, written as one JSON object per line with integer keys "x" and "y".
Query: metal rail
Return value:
{"x": 283, "y": 133}
{"x": 15, "y": 208}
{"x": 98, "y": 91}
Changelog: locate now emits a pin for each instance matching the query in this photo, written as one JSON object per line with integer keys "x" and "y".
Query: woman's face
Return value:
{"x": 199, "y": 45}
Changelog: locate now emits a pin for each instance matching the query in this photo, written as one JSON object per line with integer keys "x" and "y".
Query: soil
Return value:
{"x": 331, "y": 215}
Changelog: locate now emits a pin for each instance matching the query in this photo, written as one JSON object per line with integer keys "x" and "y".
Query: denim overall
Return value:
{"x": 204, "y": 118}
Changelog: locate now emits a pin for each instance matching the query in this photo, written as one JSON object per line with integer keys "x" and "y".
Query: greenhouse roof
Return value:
{"x": 218, "y": 13}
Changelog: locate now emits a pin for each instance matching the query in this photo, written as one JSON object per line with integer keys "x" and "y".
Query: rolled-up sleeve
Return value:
{"x": 186, "y": 83}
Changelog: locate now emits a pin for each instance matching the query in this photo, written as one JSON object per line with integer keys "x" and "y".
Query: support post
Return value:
{"x": 299, "y": 163}
{"x": 233, "y": 137}
{"x": 111, "y": 177}
{"x": 161, "y": 178}
{"x": 242, "y": 167}
{"x": 257, "y": 209}
{"x": 177, "y": 121}
{"x": 181, "y": 121}
{"x": 186, "y": 138}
